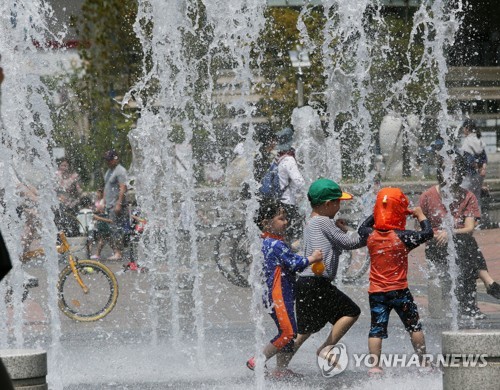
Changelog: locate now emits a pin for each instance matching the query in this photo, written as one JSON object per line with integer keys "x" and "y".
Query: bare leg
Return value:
{"x": 418, "y": 342}
{"x": 485, "y": 277}
{"x": 283, "y": 359}
{"x": 375, "y": 348}
{"x": 100, "y": 246}
{"x": 269, "y": 351}
{"x": 115, "y": 245}
{"x": 301, "y": 338}
{"x": 339, "y": 329}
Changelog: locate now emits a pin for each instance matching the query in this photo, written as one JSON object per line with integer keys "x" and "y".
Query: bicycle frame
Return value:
{"x": 99, "y": 279}
{"x": 66, "y": 248}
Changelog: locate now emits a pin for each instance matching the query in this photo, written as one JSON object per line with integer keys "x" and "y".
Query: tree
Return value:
{"x": 111, "y": 56}
{"x": 278, "y": 89}
{"x": 112, "y": 59}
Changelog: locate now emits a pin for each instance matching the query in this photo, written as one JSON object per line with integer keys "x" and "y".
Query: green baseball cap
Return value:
{"x": 325, "y": 189}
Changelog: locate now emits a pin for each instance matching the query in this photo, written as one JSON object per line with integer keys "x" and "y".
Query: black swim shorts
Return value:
{"x": 318, "y": 302}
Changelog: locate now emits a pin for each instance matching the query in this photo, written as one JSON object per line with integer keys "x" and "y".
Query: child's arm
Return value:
{"x": 341, "y": 240}
{"x": 138, "y": 219}
{"x": 366, "y": 228}
{"x": 342, "y": 224}
{"x": 413, "y": 238}
{"x": 295, "y": 262}
{"x": 315, "y": 257}
{"x": 99, "y": 218}
{"x": 441, "y": 236}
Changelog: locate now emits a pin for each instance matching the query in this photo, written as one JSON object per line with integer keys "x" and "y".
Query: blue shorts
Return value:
{"x": 381, "y": 305}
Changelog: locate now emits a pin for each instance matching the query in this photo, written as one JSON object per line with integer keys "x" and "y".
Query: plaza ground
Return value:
{"x": 133, "y": 348}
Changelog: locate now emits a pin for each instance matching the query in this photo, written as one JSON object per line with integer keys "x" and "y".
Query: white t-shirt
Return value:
{"x": 473, "y": 145}
{"x": 291, "y": 178}
{"x": 112, "y": 180}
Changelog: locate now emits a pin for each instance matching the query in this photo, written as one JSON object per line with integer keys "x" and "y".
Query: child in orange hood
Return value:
{"x": 389, "y": 243}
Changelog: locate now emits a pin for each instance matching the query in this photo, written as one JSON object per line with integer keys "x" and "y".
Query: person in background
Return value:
{"x": 115, "y": 188}
{"x": 137, "y": 226}
{"x": 291, "y": 181}
{"x": 238, "y": 172}
{"x": 68, "y": 191}
{"x": 469, "y": 258}
{"x": 266, "y": 138}
{"x": 102, "y": 231}
{"x": 474, "y": 152}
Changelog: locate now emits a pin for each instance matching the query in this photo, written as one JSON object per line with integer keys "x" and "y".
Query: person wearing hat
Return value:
{"x": 318, "y": 300}
{"x": 291, "y": 181}
{"x": 388, "y": 244}
{"x": 115, "y": 188}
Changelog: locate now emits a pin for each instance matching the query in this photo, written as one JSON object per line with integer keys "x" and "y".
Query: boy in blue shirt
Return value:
{"x": 280, "y": 267}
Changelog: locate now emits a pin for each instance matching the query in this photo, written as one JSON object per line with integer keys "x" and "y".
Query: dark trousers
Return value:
{"x": 470, "y": 261}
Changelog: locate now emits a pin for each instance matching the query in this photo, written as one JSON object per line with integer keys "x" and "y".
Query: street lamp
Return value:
{"x": 300, "y": 59}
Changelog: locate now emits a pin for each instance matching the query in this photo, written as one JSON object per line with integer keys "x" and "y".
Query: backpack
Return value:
{"x": 474, "y": 161}
{"x": 270, "y": 184}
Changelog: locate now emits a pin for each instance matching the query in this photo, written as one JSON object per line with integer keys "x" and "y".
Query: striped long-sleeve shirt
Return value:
{"x": 322, "y": 233}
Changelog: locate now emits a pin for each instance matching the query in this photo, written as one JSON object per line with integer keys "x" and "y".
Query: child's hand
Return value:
{"x": 441, "y": 237}
{"x": 316, "y": 256}
{"x": 418, "y": 213}
{"x": 341, "y": 224}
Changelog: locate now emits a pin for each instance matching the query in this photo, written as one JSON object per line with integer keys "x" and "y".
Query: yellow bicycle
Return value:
{"x": 87, "y": 290}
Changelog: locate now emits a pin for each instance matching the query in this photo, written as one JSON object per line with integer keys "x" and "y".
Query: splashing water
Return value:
{"x": 189, "y": 47}
{"x": 26, "y": 160}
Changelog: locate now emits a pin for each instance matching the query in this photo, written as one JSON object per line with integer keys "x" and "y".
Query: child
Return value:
{"x": 280, "y": 266}
{"x": 102, "y": 230}
{"x": 137, "y": 226}
{"x": 468, "y": 257}
{"x": 318, "y": 300}
{"x": 389, "y": 244}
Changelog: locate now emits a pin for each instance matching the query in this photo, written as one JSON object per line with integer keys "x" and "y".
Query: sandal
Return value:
{"x": 494, "y": 290}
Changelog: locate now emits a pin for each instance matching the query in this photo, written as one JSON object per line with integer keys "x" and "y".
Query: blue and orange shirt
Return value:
{"x": 389, "y": 254}
{"x": 280, "y": 267}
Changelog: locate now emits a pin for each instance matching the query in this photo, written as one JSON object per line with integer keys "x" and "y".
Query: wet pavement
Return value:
{"x": 133, "y": 347}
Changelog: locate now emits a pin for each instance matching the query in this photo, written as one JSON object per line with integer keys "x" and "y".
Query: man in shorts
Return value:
{"x": 318, "y": 300}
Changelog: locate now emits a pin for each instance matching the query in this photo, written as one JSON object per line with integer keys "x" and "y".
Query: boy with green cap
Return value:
{"x": 318, "y": 300}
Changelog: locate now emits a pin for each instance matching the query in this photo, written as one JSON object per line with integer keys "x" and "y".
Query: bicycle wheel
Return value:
{"x": 232, "y": 255}
{"x": 98, "y": 301}
{"x": 242, "y": 261}
{"x": 355, "y": 264}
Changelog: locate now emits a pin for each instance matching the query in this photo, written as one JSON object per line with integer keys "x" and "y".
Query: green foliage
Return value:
{"x": 278, "y": 89}
{"x": 88, "y": 120}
